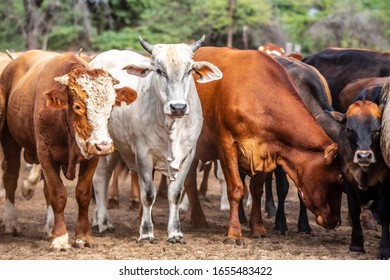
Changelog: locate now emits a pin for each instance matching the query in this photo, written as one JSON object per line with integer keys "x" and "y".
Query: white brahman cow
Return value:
{"x": 158, "y": 131}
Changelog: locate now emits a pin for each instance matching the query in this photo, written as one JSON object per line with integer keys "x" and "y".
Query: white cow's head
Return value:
{"x": 172, "y": 65}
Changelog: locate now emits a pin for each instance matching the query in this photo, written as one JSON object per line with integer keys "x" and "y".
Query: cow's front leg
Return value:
{"x": 354, "y": 208}
{"x": 57, "y": 199}
{"x": 148, "y": 194}
{"x": 11, "y": 167}
{"x": 175, "y": 191}
{"x": 83, "y": 197}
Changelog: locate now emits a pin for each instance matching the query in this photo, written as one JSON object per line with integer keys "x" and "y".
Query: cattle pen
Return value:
{"x": 202, "y": 244}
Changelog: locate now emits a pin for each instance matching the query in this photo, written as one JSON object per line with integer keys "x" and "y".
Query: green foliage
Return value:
{"x": 123, "y": 39}
{"x": 110, "y": 24}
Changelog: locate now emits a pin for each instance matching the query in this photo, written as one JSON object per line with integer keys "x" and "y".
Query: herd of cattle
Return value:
{"x": 321, "y": 120}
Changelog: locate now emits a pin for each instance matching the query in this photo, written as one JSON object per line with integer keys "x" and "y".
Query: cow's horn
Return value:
{"x": 148, "y": 47}
{"x": 197, "y": 44}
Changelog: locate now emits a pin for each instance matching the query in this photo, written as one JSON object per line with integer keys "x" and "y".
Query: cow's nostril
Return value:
{"x": 178, "y": 108}
{"x": 364, "y": 157}
{"x": 103, "y": 146}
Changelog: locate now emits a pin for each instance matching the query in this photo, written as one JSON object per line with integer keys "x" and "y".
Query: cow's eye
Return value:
{"x": 376, "y": 133}
{"x": 77, "y": 108}
{"x": 161, "y": 73}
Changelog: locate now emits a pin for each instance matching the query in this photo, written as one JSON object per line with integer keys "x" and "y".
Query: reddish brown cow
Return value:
{"x": 253, "y": 121}
{"x": 57, "y": 110}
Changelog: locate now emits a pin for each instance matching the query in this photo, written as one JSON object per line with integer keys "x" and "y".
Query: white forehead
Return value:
{"x": 100, "y": 92}
{"x": 173, "y": 55}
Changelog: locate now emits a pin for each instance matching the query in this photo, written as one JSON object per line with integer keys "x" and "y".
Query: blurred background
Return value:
{"x": 304, "y": 26}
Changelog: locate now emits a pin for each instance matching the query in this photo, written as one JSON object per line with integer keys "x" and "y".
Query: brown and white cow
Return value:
{"x": 253, "y": 121}
{"x": 57, "y": 110}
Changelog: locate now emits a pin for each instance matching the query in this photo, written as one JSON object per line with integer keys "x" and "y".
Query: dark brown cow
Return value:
{"x": 342, "y": 66}
{"x": 57, "y": 110}
{"x": 254, "y": 120}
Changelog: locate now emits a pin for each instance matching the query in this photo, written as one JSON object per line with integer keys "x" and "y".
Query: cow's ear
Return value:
{"x": 141, "y": 69}
{"x": 330, "y": 153}
{"x": 340, "y": 117}
{"x": 56, "y": 99}
{"x": 206, "y": 71}
{"x": 125, "y": 94}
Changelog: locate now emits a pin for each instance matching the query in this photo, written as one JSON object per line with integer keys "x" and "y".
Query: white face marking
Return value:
{"x": 99, "y": 103}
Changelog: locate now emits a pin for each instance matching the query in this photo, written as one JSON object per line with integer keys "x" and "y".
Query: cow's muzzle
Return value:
{"x": 178, "y": 110}
{"x": 364, "y": 158}
{"x": 328, "y": 222}
{"x": 101, "y": 149}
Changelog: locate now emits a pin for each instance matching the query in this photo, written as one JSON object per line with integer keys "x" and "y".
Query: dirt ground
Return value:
{"x": 202, "y": 244}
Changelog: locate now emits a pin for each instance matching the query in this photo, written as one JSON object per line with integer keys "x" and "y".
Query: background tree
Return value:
{"x": 99, "y": 25}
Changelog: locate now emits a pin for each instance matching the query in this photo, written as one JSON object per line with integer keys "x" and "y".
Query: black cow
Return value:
{"x": 366, "y": 175}
{"x": 342, "y": 66}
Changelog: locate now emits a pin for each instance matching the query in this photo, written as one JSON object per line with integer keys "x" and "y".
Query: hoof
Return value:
{"x": 81, "y": 244}
{"x": 113, "y": 203}
{"x": 384, "y": 253}
{"x": 60, "y": 243}
{"x": 355, "y": 248}
{"x": 177, "y": 240}
{"x": 232, "y": 241}
{"x": 147, "y": 240}
{"x": 281, "y": 232}
{"x": 258, "y": 235}
{"x": 103, "y": 228}
{"x": 306, "y": 232}
{"x": 134, "y": 204}
{"x": 28, "y": 193}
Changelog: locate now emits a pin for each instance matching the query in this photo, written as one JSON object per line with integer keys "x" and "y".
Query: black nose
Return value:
{"x": 364, "y": 157}
{"x": 178, "y": 109}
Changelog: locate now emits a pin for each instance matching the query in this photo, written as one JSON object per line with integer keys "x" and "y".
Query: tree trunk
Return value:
{"x": 232, "y": 6}
{"x": 38, "y": 23}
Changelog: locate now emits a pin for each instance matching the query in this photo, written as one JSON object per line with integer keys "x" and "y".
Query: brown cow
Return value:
{"x": 57, "y": 110}
{"x": 254, "y": 120}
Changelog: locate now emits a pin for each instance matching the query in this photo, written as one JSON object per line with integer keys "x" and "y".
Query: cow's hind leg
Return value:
{"x": 175, "y": 191}
{"x": 270, "y": 207}
{"x": 31, "y": 182}
{"x": 101, "y": 179}
{"x": 282, "y": 188}
{"x": 198, "y": 219}
{"x": 229, "y": 161}
{"x": 256, "y": 224}
{"x": 11, "y": 167}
